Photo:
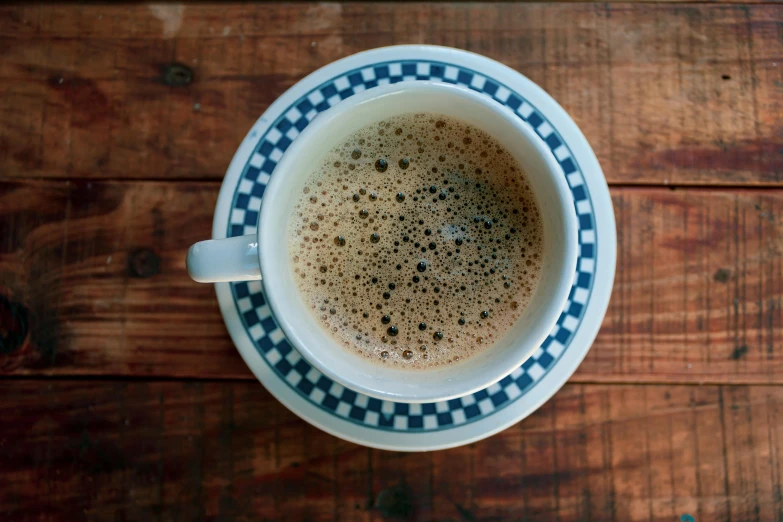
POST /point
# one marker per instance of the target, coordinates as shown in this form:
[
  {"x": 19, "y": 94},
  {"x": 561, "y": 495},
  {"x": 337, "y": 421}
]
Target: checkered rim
[{"x": 287, "y": 362}]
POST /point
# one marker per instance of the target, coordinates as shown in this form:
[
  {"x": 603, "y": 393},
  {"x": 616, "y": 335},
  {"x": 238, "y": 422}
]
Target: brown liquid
[{"x": 417, "y": 241}]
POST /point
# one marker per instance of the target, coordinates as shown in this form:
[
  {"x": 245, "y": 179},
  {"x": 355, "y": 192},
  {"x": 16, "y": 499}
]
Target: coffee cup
[{"x": 264, "y": 255}]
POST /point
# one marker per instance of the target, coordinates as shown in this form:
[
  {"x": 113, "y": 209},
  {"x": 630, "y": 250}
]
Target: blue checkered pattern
[{"x": 332, "y": 396}]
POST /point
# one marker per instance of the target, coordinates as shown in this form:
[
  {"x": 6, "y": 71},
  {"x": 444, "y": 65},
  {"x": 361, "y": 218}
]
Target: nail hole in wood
[
  {"x": 143, "y": 263},
  {"x": 722, "y": 275},
  {"x": 739, "y": 352},
  {"x": 177, "y": 75}
]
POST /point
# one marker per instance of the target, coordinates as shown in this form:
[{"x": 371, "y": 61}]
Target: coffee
[{"x": 417, "y": 241}]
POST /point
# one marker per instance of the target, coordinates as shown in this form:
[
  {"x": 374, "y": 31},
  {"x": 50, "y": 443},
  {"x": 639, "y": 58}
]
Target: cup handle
[{"x": 224, "y": 260}]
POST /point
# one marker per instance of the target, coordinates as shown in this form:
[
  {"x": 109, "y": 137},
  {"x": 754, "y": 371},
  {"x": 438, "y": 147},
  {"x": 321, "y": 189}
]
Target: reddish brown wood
[
  {"x": 677, "y": 94},
  {"x": 70, "y": 263},
  {"x": 675, "y": 411},
  {"x": 194, "y": 451},
  {"x": 697, "y": 295}
]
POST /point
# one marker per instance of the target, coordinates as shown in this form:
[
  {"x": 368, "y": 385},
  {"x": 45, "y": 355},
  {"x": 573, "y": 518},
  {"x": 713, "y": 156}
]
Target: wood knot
[
  {"x": 177, "y": 75},
  {"x": 14, "y": 321},
  {"x": 143, "y": 263}
]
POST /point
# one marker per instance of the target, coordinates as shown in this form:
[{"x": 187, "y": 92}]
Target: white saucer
[{"x": 416, "y": 427}]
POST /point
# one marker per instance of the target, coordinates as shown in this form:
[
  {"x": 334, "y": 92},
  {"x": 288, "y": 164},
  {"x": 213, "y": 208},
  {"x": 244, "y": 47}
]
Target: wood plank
[
  {"x": 142, "y": 450},
  {"x": 76, "y": 252},
  {"x": 698, "y": 295},
  {"x": 675, "y": 94}
]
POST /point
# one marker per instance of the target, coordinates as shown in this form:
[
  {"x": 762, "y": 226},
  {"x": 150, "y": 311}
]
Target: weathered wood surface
[
  {"x": 666, "y": 94},
  {"x": 107, "y": 176},
  {"x": 697, "y": 298},
  {"x": 229, "y": 451}
]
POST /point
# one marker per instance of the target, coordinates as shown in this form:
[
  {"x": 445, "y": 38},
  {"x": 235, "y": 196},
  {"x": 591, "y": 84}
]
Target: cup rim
[{"x": 541, "y": 329}]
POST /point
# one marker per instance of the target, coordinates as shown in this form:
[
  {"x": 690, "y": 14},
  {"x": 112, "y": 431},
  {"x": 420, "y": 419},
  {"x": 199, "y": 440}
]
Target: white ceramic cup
[{"x": 265, "y": 255}]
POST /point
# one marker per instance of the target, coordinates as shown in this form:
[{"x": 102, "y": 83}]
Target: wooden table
[{"x": 122, "y": 397}]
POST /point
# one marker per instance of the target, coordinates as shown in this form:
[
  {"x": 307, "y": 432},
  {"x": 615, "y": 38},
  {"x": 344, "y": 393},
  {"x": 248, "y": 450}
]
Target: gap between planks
[
  {"x": 218, "y": 182},
  {"x": 116, "y": 378}
]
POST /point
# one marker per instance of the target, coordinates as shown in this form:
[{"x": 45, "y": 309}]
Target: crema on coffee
[{"x": 417, "y": 241}]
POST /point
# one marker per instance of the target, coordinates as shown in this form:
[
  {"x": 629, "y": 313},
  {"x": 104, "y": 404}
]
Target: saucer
[{"x": 401, "y": 426}]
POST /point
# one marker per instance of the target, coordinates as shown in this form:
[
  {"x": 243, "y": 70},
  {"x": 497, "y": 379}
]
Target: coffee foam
[{"x": 417, "y": 241}]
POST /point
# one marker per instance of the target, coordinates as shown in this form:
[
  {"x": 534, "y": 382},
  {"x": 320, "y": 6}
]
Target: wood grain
[
  {"x": 666, "y": 94},
  {"x": 698, "y": 289},
  {"x": 229, "y": 451},
  {"x": 697, "y": 296},
  {"x": 71, "y": 263},
  {"x": 108, "y": 174}
]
